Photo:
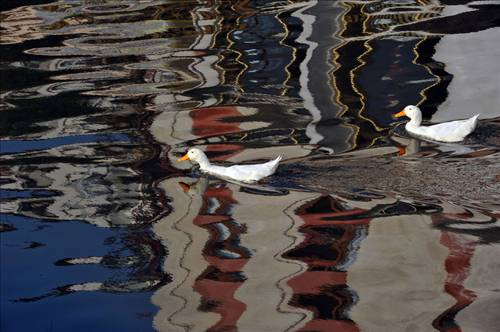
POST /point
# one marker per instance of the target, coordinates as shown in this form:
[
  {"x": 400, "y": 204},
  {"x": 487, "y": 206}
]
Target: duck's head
[
  {"x": 195, "y": 155},
  {"x": 410, "y": 111}
]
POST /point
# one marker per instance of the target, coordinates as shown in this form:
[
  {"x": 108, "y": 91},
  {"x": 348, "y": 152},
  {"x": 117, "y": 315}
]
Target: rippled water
[{"x": 362, "y": 227}]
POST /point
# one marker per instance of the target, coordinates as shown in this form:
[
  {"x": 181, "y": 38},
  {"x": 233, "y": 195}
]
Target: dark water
[{"x": 362, "y": 227}]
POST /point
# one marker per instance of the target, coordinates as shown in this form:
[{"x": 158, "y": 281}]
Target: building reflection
[
  {"x": 248, "y": 80},
  {"x": 322, "y": 246},
  {"x": 87, "y": 168},
  {"x": 328, "y": 249},
  {"x": 312, "y": 82},
  {"x": 462, "y": 232},
  {"x": 347, "y": 238},
  {"x": 336, "y": 232},
  {"x": 72, "y": 162},
  {"x": 300, "y": 260},
  {"x": 221, "y": 285},
  {"x": 225, "y": 257}
]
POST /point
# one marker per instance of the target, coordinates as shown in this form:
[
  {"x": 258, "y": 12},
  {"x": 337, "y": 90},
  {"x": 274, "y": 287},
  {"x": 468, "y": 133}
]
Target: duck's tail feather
[
  {"x": 468, "y": 126},
  {"x": 275, "y": 163},
  {"x": 473, "y": 122}
]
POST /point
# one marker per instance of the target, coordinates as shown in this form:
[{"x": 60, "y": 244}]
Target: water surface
[{"x": 362, "y": 227}]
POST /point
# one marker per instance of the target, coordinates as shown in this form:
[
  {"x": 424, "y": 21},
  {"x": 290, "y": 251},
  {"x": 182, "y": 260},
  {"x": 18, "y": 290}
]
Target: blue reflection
[{"x": 18, "y": 146}]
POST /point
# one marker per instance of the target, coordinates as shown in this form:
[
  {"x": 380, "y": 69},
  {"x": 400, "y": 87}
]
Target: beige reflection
[
  {"x": 271, "y": 230},
  {"x": 185, "y": 241},
  {"x": 397, "y": 277},
  {"x": 20, "y": 24},
  {"x": 270, "y": 225},
  {"x": 470, "y": 58},
  {"x": 472, "y": 268},
  {"x": 482, "y": 314},
  {"x": 406, "y": 274}
]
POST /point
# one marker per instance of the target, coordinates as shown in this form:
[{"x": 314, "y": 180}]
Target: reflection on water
[{"x": 362, "y": 227}]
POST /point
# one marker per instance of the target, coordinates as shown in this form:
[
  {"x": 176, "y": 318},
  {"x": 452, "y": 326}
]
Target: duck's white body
[
  {"x": 453, "y": 131},
  {"x": 242, "y": 173}
]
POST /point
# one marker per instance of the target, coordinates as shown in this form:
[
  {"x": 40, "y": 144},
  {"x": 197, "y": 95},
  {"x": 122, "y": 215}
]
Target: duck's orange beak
[
  {"x": 183, "y": 158},
  {"x": 400, "y": 114}
]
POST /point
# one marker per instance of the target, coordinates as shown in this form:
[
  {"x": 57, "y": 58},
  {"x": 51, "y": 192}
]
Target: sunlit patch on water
[{"x": 362, "y": 226}]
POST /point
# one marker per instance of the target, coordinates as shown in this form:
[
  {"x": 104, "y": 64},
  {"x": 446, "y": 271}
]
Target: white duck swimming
[
  {"x": 242, "y": 173},
  {"x": 452, "y": 131}
]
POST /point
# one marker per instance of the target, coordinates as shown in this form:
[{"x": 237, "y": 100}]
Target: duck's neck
[
  {"x": 416, "y": 121},
  {"x": 204, "y": 163}
]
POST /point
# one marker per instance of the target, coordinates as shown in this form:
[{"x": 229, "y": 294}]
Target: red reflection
[
  {"x": 328, "y": 249},
  {"x": 218, "y": 297},
  {"x": 213, "y": 121},
  {"x": 457, "y": 264},
  {"x": 225, "y": 257},
  {"x": 209, "y": 121}
]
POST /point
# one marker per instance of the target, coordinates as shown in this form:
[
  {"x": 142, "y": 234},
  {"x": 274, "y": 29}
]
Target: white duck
[
  {"x": 452, "y": 131},
  {"x": 242, "y": 173}
]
